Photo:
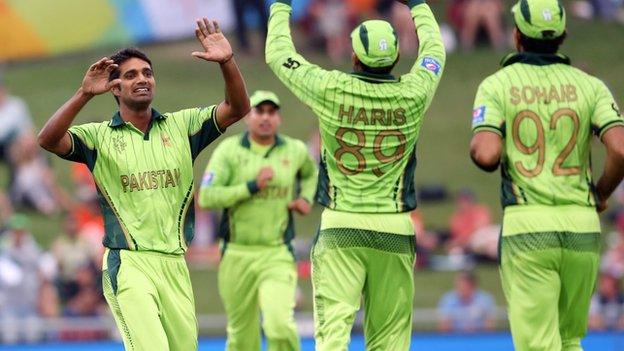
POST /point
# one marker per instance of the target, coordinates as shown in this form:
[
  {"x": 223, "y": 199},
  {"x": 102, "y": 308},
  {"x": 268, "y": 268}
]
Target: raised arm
[
  {"x": 53, "y": 136},
  {"x": 303, "y": 78},
  {"x": 217, "y": 49},
  {"x": 431, "y": 59}
]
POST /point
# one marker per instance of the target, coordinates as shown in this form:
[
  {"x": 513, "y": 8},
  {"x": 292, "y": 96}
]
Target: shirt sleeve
[
  {"x": 84, "y": 144},
  {"x": 202, "y": 127},
  {"x": 216, "y": 189},
  {"x": 308, "y": 176},
  {"x": 429, "y": 65},
  {"x": 306, "y": 80},
  {"x": 487, "y": 114},
  {"x": 606, "y": 114}
]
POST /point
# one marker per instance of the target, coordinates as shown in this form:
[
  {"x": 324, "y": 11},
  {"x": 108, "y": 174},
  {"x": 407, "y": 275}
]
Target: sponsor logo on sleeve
[
  {"x": 207, "y": 179},
  {"x": 431, "y": 64},
  {"x": 478, "y": 115}
]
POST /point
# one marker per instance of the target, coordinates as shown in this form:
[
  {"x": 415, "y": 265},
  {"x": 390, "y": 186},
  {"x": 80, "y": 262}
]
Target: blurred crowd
[{"x": 465, "y": 25}]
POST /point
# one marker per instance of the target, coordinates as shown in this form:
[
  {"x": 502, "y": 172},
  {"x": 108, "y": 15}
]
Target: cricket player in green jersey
[
  {"x": 535, "y": 118},
  {"x": 142, "y": 163},
  {"x": 254, "y": 177},
  {"x": 369, "y": 124}
]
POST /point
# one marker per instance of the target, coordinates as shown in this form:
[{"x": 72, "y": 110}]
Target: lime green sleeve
[
  {"x": 429, "y": 65},
  {"x": 308, "y": 177},
  {"x": 216, "y": 190},
  {"x": 487, "y": 114},
  {"x": 84, "y": 139},
  {"x": 606, "y": 114},
  {"x": 306, "y": 80}
]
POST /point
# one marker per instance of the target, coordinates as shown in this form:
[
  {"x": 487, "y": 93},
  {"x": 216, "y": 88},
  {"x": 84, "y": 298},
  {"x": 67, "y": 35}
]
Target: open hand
[
  {"x": 95, "y": 81},
  {"x": 300, "y": 206},
  {"x": 216, "y": 47}
]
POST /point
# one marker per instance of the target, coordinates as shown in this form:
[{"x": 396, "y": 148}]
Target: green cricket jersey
[
  {"x": 253, "y": 216},
  {"x": 145, "y": 181},
  {"x": 369, "y": 123},
  {"x": 546, "y": 110}
]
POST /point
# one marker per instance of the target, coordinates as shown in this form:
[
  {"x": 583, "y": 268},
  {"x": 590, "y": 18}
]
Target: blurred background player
[
  {"x": 543, "y": 112},
  {"x": 142, "y": 162},
  {"x": 369, "y": 124},
  {"x": 255, "y": 176}
]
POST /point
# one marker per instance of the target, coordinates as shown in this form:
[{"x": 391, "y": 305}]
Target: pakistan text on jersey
[
  {"x": 534, "y": 94},
  {"x": 150, "y": 180},
  {"x": 374, "y": 116}
]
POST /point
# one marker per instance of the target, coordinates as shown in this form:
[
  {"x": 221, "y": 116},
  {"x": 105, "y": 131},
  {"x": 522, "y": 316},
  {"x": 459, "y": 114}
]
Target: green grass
[{"x": 442, "y": 148}]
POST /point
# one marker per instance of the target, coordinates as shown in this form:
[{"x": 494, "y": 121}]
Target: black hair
[
  {"x": 542, "y": 46},
  {"x": 378, "y": 70},
  {"x": 122, "y": 56}
]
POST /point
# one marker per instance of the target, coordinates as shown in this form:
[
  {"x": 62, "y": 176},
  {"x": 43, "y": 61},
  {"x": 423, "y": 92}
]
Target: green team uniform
[
  {"x": 257, "y": 271},
  {"x": 546, "y": 111},
  {"x": 369, "y": 126},
  {"x": 145, "y": 188}
]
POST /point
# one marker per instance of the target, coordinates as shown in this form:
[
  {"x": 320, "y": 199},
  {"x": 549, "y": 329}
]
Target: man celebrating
[
  {"x": 369, "y": 124},
  {"x": 254, "y": 177},
  {"x": 142, "y": 162},
  {"x": 542, "y": 112}
]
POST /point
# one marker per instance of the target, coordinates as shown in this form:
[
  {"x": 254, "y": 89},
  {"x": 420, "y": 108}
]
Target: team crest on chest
[
  {"x": 119, "y": 144},
  {"x": 166, "y": 140},
  {"x": 285, "y": 162}
]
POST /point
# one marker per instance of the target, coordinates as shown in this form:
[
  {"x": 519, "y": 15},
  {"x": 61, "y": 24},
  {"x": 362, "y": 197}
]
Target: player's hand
[
  {"x": 95, "y": 81},
  {"x": 601, "y": 205},
  {"x": 216, "y": 47},
  {"x": 264, "y": 176},
  {"x": 300, "y": 206}
]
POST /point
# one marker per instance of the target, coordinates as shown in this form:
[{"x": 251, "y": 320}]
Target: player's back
[
  {"x": 547, "y": 113},
  {"x": 369, "y": 130}
]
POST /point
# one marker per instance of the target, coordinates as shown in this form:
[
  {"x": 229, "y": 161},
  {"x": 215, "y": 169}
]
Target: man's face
[
  {"x": 465, "y": 287},
  {"x": 137, "y": 86},
  {"x": 264, "y": 120}
]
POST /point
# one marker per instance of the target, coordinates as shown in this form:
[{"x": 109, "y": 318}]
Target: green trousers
[
  {"x": 151, "y": 298},
  {"x": 548, "y": 280},
  {"x": 349, "y": 263},
  {"x": 255, "y": 281}
]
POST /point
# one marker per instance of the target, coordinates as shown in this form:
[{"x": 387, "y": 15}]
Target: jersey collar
[
  {"x": 246, "y": 143},
  {"x": 117, "y": 121},
  {"x": 534, "y": 59},
  {"x": 375, "y": 78}
]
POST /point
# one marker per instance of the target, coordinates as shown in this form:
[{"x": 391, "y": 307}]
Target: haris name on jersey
[
  {"x": 534, "y": 94},
  {"x": 374, "y": 116}
]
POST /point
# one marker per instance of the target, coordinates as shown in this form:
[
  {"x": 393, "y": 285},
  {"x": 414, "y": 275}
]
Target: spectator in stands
[
  {"x": 240, "y": 9},
  {"x": 333, "y": 22},
  {"x": 33, "y": 183},
  {"x": 20, "y": 282},
  {"x": 425, "y": 241},
  {"x": 86, "y": 299},
  {"x": 467, "y": 308},
  {"x": 72, "y": 252},
  {"x": 469, "y": 17},
  {"x": 469, "y": 216},
  {"x": 607, "y": 305},
  {"x": 14, "y": 119}
]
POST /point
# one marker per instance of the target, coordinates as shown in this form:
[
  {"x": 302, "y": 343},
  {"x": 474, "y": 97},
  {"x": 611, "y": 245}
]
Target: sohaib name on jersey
[{"x": 540, "y": 94}]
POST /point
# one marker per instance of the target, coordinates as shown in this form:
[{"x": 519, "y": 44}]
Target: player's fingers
[
  {"x": 216, "y": 27},
  {"x": 201, "y": 55},
  {"x": 113, "y": 83},
  {"x": 111, "y": 67},
  {"x": 199, "y": 34},
  {"x": 209, "y": 26},
  {"x": 202, "y": 27}
]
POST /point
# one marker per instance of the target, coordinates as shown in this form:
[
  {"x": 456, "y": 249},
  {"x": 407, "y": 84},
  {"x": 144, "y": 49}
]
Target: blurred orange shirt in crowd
[{"x": 467, "y": 219}]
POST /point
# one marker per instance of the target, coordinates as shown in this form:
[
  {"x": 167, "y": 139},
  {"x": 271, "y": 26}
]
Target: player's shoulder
[
  {"x": 232, "y": 141},
  {"x": 293, "y": 142},
  {"x": 187, "y": 112}
]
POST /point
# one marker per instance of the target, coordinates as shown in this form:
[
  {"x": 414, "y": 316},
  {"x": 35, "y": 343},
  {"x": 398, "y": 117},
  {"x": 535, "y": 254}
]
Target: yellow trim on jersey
[{"x": 394, "y": 223}]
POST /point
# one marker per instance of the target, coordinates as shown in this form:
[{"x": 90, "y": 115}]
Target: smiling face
[
  {"x": 137, "y": 86},
  {"x": 263, "y": 121}
]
